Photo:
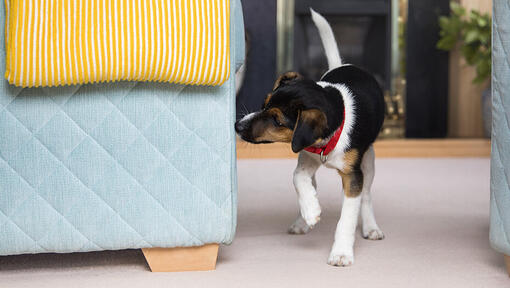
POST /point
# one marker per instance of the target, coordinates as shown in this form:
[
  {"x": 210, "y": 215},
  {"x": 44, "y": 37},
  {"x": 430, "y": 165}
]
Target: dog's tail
[{"x": 328, "y": 40}]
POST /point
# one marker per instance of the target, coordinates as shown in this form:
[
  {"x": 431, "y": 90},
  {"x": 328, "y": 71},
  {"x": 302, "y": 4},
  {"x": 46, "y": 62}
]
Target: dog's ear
[
  {"x": 285, "y": 78},
  {"x": 310, "y": 127}
]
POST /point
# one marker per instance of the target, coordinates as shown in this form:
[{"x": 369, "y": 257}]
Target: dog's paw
[
  {"x": 299, "y": 227},
  {"x": 311, "y": 212},
  {"x": 374, "y": 234},
  {"x": 340, "y": 259}
]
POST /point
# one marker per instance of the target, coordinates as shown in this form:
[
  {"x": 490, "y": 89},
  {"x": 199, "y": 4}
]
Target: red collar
[{"x": 324, "y": 150}]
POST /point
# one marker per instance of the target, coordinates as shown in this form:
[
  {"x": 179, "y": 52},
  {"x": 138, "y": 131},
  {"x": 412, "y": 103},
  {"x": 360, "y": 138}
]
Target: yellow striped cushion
[{"x": 62, "y": 42}]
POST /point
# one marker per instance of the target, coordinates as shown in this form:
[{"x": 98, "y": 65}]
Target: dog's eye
[{"x": 277, "y": 122}]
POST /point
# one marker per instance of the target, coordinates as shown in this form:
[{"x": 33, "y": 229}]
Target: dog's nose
[{"x": 238, "y": 127}]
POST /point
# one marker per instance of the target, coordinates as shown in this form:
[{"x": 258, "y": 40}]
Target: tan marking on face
[
  {"x": 286, "y": 77},
  {"x": 275, "y": 134},
  {"x": 316, "y": 118},
  {"x": 276, "y": 112},
  {"x": 268, "y": 98}
]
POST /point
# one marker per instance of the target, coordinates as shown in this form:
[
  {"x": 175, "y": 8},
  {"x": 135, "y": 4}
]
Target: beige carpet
[{"x": 435, "y": 214}]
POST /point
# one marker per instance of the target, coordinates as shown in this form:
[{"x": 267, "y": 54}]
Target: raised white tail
[{"x": 328, "y": 40}]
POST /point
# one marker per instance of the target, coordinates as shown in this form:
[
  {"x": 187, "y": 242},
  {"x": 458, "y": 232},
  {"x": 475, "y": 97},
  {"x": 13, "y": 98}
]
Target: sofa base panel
[{"x": 182, "y": 258}]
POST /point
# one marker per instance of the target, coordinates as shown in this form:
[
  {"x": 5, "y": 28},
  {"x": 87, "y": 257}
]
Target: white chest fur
[{"x": 335, "y": 160}]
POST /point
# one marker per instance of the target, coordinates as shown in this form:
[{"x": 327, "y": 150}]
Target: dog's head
[{"x": 297, "y": 111}]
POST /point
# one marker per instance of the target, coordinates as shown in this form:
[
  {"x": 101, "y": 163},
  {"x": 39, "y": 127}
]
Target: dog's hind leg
[
  {"x": 370, "y": 229},
  {"x": 305, "y": 184}
]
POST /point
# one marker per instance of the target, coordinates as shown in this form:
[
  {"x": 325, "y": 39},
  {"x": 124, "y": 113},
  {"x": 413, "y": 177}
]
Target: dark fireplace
[
  {"x": 363, "y": 32},
  {"x": 392, "y": 39}
]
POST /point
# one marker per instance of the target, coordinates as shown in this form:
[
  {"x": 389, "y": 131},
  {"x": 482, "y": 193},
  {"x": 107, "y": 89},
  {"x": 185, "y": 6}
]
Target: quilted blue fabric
[
  {"x": 500, "y": 164},
  {"x": 119, "y": 165}
]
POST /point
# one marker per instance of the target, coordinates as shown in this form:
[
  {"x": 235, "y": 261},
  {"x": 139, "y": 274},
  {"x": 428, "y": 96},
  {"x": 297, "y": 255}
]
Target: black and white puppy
[{"x": 334, "y": 123}]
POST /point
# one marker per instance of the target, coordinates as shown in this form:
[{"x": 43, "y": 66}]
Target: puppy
[{"x": 334, "y": 123}]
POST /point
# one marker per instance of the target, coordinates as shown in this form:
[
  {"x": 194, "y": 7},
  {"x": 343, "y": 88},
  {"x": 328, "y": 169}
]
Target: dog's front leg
[
  {"x": 342, "y": 253},
  {"x": 309, "y": 206}
]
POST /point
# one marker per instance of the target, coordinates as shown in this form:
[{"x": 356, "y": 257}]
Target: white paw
[
  {"x": 310, "y": 211},
  {"x": 340, "y": 259},
  {"x": 374, "y": 234},
  {"x": 299, "y": 227}
]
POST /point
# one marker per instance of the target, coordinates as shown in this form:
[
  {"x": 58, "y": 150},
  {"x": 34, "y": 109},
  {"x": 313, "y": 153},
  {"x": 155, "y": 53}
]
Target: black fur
[
  {"x": 302, "y": 94},
  {"x": 368, "y": 103},
  {"x": 293, "y": 96}
]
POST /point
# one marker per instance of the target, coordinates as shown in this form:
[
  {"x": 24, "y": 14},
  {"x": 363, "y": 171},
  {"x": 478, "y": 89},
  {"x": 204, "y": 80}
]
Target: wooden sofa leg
[
  {"x": 507, "y": 261},
  {"x": 182, "y": 258}
]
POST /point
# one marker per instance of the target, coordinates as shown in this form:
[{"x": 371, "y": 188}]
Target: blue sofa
[
  {"x": 118, "y": 165},
  {"x": 500, "y": 162}
]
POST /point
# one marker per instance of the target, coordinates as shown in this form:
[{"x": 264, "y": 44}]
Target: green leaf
[
  {"x": 471, "y": 36},
  {"x": 457, "y": 9},
  {"x": 473, "y": 31},
  {"x": 446, "y": 43},
  {"x": 444, "y": 22},
  {"x": 482, "y": 22},
  {"x": 469, "y": 54}
]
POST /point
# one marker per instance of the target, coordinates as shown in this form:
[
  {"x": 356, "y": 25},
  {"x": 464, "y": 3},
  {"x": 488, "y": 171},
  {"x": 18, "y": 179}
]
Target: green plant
[{"x": 473, "y": 31}]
